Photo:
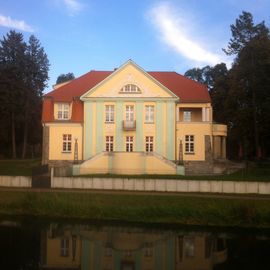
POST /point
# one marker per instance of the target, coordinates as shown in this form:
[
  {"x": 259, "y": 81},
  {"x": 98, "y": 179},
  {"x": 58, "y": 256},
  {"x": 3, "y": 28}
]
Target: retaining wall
[
  {"x": 15, "y": 181},
  {"x": 162, "y": 185},
  {"x": 132, "y": 184}
]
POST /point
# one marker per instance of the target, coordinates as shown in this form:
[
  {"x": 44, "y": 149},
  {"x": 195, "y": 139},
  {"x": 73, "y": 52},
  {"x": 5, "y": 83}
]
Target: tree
[
  {"x": 24, "y": 72},
  {"x": 240, "y": 96},
  {"x": 250, "y": 44},
  {"x": 216, "y": 78},
  {"x": 243, "y": 31},
  {"x": 36, "y": 75},
  {"x": 65, "y": 77},
  {"x": 12, "y": 63}
]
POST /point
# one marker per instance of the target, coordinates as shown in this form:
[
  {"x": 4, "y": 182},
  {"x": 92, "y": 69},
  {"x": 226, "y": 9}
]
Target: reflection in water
[
  {"x": 80, "y": 247},
  {"x": 37, "y": 246}
]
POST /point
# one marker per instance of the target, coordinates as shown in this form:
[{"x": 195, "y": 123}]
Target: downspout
[{"x": 175, "y": 137}]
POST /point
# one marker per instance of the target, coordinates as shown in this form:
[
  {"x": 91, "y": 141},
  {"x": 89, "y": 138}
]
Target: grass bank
[
  {"x": 257, "y": 172},
  {"x": 173, "y": 209},
  {"x": 18, "y": 166}
]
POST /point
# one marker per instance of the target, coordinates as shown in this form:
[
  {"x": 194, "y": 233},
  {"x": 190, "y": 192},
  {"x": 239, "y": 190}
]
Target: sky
[{"x": 83, "y": 35}]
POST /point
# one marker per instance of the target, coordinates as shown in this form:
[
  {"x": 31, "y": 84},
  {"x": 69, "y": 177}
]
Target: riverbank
[{"x": 143, "y": 208}]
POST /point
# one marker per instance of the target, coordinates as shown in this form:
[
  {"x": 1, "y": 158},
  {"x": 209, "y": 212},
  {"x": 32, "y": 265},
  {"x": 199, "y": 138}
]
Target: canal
[{"x": 30, "y": 243}]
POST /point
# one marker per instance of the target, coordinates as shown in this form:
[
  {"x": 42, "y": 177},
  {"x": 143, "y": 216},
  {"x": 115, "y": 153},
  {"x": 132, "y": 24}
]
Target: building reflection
[{"x": 115, "y": 248}]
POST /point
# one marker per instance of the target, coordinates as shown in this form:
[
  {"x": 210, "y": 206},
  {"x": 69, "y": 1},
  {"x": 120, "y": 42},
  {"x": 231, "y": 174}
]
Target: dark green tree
[
  {"x": 65, "y": 77},
  {"x": 250, "y": 45},
  {"x": 216, "y": 78},
  {"x": 196, "y": 74},
  {"x": 240, "y": 96},
  {"x": 12, "y": 63},
  {"x": 36, "y": 76},
  {"x": 23, "y": 76}
]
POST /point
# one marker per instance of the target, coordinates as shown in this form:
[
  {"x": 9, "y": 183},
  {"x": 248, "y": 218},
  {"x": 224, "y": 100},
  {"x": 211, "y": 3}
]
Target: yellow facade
[
  {"x": 56, "y": 144},
  {"x": 175, "y": 130},
  {"x": 62, "y": 256},
  {"x": 130, "y": 248}
]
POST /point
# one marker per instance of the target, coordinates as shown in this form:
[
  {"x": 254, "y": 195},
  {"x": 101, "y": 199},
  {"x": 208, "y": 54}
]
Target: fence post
[{"x": 52, "y": 176}]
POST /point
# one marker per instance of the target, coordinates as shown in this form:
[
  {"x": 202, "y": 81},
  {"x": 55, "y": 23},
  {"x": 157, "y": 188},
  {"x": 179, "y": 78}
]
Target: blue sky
[{"x": 81, "y": 35}]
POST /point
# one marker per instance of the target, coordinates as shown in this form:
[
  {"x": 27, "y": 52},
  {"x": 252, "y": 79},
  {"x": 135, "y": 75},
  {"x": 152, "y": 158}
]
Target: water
[{"x": 42, "y": 244}]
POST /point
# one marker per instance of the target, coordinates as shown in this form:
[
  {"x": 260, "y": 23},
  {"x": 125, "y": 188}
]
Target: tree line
[{"x": 241, "y": 95}]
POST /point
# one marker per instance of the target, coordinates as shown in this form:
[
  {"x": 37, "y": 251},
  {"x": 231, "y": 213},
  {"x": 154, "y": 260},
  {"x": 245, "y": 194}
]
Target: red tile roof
[
  {"x": 79, "y": 86},
  {"x": 186, "y": 89}
]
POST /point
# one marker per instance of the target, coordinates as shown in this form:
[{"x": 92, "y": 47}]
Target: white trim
[{"x": 63, "y": 124}]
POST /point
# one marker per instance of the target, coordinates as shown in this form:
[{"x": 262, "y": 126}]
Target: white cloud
[
  {"x": 172, "y": 27},
  {"x": 11, "y": 23},
  {"x": 73, "y": 6}
]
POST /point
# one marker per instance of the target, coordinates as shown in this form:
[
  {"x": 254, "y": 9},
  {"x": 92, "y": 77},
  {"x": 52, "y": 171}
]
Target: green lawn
[
  {"x": 258, "y": 172},
  {"x": 159, "y": 209},
  {"x": 18, "y": 167}
]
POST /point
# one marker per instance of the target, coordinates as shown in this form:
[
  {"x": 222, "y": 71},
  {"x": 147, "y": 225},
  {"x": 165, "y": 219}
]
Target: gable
[{"x": 129, "y": 76}]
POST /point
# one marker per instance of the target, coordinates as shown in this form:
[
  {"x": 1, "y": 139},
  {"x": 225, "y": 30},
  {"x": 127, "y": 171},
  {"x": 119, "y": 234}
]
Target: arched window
[{"x": 131, "y": 88}]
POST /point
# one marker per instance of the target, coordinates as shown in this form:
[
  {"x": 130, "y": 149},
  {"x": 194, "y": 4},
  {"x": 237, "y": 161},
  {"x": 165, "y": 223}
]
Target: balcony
[
  {"x": 219, "y": 130},
  {"x": 129, "y": 125}
]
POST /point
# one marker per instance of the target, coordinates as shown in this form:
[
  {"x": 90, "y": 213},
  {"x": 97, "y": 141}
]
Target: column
[
  {"x": 139, "y": 127},
  {"x": 224, "y": 147}
]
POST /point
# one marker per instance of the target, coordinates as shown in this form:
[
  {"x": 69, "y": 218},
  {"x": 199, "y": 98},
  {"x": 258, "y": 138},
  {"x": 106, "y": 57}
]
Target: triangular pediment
[{"x": 129, "y": 81}]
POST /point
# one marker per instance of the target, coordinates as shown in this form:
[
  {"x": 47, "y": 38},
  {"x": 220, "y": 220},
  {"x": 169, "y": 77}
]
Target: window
[
  {"x": 180, "y": 248},
  {"x": 129, "y": 143},
  {"x": 109, "y": 113},
  {"x": 207, "y": 247},
  {"x": 109, "y": 143},
  {"x": 66, "y": 143},
  {"x": 187, "y": 116},
  {"x": 63, "y": 111},
  {"x": 64, "y": 247},
  {"x": 189, "y": 247},
  {"x": 129, "y": 113},
  {"x": 131, "y": 88},
  {"x": 149, "y": 143},
  {"x": 189, "y": 144},
  {"x": 148, "y": 250},
  {"x": 149, "y": 114}
]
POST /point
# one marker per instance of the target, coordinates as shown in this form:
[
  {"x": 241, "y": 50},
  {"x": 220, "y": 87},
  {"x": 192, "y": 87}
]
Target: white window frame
[
  {"x": 109, "y": 144},
  {"x": 66, "y": 143},
  {"x": 129, "y": 143},
  {"x": 109, "y": 113},
  {"x": 187, "y": 116},
  {"x": 62, "y": 111},
  {"x": 131, "y": 88},
  {"x": 64, "y": 247},
  {"x": 129, "y": 112},
  {"x": 149, "y": 144},
  {"x": 189, "y": 144},
  {"x": 149, "y": 113}
]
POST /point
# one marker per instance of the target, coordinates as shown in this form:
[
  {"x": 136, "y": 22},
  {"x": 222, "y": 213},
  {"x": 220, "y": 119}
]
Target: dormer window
[
  {"x": 131, "y": 88},
  {"x": 63, "y": 111}
]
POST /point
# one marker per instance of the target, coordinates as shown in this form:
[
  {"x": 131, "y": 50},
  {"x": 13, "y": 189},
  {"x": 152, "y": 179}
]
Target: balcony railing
[{"x": 129, "y": 125}]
